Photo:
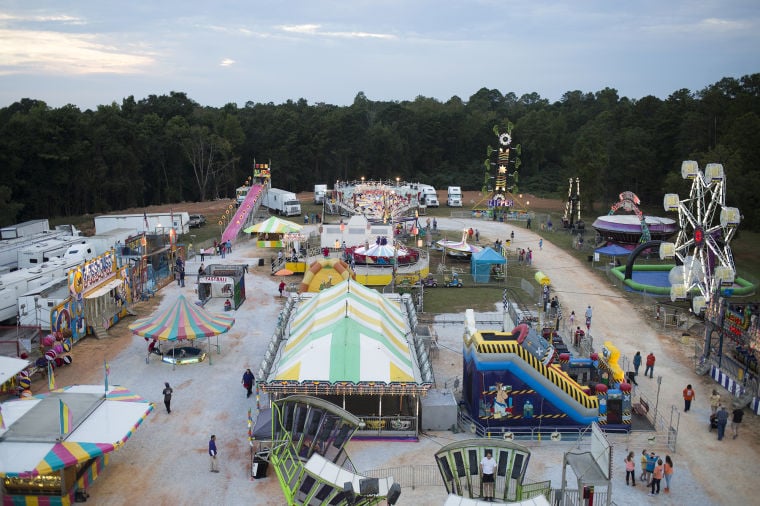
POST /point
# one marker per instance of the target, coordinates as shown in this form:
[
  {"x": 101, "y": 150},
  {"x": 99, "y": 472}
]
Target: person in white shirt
[{"x": 487, "y": 468}]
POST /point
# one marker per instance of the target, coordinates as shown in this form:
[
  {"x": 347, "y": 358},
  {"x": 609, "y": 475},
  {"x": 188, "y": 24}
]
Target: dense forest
[{"x": 161, "y": 149}]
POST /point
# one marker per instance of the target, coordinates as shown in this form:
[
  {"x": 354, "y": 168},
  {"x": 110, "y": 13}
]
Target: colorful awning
[
  {"x": 274, "y": 225},
  {"x": 103, "y": 425},
  {"x": 183, "y": 320}
]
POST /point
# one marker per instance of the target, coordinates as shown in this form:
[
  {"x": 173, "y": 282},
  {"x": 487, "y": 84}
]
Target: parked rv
[
  {"x": 281, "y": 202},
  {"x": 16, "y": 283},
  {"x": 24, "y": 237}
]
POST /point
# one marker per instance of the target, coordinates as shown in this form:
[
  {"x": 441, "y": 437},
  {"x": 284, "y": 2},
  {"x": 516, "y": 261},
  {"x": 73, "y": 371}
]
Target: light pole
[{"x": 657, "y": 401}]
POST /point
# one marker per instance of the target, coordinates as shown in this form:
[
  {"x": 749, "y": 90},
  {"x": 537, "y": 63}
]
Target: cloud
[
  {"x": 311, "y": 29},
  {"x": 64, "y": 53},
  {"x": 703, "y": 26},
  {"x": 227, "y": 62}
]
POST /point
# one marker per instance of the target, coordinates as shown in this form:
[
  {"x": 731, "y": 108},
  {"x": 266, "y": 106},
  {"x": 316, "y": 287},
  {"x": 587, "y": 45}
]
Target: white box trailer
[
  {"x": 158, "y": 223},
  {"x": 281, "y": 202},
  {"x": 320, "y": 191},
  {"x": 25, "y": 229}
]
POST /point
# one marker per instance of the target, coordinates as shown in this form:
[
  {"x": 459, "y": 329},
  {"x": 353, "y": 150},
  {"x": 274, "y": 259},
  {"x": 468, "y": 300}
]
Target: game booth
[
  {"x": 271, "y": 232},
  {"x": 99, "y": 293},
  {"x": 54, "y": 446},
  {"x": 224, "y": 281}
]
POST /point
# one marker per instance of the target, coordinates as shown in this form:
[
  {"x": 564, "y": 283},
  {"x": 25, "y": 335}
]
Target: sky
[{"x": 94, "y": 52}]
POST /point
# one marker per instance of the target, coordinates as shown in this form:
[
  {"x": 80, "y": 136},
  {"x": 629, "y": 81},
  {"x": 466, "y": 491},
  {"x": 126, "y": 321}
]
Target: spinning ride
[
  {"x": 501, "y": 194},
  {"x": 383, "y": 253},
  {"x": 705, "y": 264},
  {"x": 459, "y": 248},
  {"x": 632, "y": 228}
]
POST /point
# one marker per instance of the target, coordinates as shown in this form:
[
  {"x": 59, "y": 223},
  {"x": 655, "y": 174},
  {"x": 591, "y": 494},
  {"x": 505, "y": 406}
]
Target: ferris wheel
[{"x": 704, "y": 263}]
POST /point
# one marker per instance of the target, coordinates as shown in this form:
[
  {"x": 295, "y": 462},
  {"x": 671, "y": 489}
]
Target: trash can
[
  {"x": 259, "y": 466},
  {"x": 261, "y": 262}
]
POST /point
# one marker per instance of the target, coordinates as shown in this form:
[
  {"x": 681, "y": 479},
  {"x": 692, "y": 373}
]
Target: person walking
[
  {"x": 212, "y": 454},
  {"x": 714, "y": 401},
  {"x": 668, "y": 472},
  {"x": 630, "y": 469},
  {"x": 688, "y": 396},
  {"x": 487, "y": 467},
  {"x": 281, "y": 287},
  {"x": 248, "y": 380},
  {"x": 650, "y": 365},
  {"x": 572, "y": 318},
  {"x": 168, "y": 397},
  {"x": 736, "y": 420},
  {"x": 657, "y": 474},
  {"x": 722, "y": 417},
  {"x": 637, "y": 362},
  {"x": 541, "y": 244}
]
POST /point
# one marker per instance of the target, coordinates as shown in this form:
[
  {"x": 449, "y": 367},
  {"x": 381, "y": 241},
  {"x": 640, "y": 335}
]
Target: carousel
[{"x": 181, "y": 324}]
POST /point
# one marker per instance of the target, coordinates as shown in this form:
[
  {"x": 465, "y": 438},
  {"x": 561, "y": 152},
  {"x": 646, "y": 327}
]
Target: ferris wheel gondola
[{"x": 705, "y": 264}]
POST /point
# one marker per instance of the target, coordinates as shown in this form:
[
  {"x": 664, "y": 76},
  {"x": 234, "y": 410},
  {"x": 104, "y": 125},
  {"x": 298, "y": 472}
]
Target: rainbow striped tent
[
  {"x": 183, "y": 320},
  {"x": 347, "y": 333}
]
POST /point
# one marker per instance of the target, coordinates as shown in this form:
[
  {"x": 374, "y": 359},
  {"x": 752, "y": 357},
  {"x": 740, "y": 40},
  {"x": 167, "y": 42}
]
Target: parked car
[{"x": 196, "y": 220}]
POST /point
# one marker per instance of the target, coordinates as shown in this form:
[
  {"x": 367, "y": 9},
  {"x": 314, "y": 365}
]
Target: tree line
[{"x": 168, "y": 148}]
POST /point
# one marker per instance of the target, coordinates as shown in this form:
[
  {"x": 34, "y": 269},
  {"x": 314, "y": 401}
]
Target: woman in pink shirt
[{"x": 630, "y": 469}]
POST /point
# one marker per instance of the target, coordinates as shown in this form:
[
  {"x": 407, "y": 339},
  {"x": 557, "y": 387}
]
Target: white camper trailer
[
  {"x": 10, "y": 248},
  {"x": 34, "y": 306},
  {"x": 41, "y": 252},
  {"x": 16, "y": 283}
]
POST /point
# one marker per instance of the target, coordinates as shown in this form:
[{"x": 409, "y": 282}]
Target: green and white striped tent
[
  {"x": 274, "y": 225},
  {"x": 347, "y": 333}
]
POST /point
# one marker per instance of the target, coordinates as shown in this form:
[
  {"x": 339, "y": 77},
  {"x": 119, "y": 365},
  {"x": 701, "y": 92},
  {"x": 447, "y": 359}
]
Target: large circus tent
[{"x": 348, "y": 344}]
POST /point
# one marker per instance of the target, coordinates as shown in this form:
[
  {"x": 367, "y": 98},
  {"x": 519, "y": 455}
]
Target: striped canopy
[
  {"x": 97, "y": 431},
  {"x": 347, "y": 333},
  {"x": 183, "y": 320},
  {"x": 274, "y": 225}
]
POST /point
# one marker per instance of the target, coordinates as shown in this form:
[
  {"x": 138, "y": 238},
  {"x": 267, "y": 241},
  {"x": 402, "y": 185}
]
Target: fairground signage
[{"x": 217, "y": 280}]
